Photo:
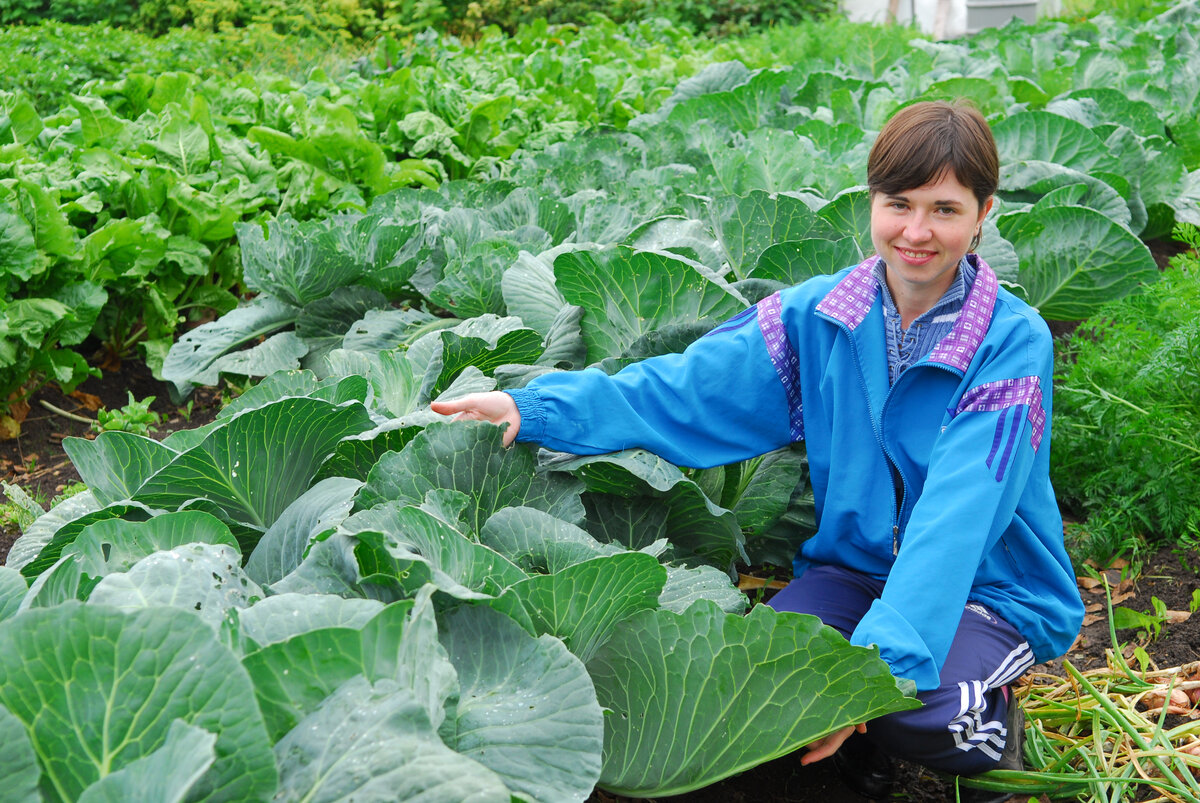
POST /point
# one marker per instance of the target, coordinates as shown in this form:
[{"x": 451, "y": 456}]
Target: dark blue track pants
[{"x": 961, "y": 727}]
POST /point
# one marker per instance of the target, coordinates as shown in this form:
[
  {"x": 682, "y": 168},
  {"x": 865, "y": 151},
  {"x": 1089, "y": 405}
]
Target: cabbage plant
[{"x": 313, "y": 598}]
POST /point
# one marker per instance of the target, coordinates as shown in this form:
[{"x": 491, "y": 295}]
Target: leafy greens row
[
  {"x": 118, "y": 209},
  {"x": 130, "y": 195}
]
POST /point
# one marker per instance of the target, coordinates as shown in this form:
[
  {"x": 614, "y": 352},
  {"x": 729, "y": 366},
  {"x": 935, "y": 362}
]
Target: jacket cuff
[
  {"x": 900, "y": 646},
  {"x": 532, "y": 412}
]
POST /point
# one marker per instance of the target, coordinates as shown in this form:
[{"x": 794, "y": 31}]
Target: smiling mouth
[{"x": 910, "y": 254}]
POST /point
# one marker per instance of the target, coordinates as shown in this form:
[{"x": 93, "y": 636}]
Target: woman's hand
[
  {"x": 497, "y": 407},
  {"x": 824, "y": 748}
]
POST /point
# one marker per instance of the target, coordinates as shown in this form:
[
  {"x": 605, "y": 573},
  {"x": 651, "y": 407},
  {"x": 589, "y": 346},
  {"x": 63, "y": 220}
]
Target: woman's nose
[{"x": 917, "y": 229}]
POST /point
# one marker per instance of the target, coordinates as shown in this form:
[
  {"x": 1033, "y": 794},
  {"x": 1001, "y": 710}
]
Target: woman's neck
[
  {"x": 910, "y": 300},
  {"x": 913, "y": 302}
]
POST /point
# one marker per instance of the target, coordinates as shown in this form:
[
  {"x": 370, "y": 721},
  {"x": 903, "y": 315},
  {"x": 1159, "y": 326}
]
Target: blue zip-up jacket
[{"x": 965, "y": 430}]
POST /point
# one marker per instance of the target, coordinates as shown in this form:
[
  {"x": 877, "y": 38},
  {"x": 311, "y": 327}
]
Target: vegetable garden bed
[
  {"x": 343, "y": 563},
  {"x": 1170, "y": 575}
]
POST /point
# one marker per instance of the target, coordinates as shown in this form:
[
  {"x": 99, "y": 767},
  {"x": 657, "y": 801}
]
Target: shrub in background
[
  {"x": 327, "y": 20},
  {"x": 736, "y": 16},
  {"x": 15, "y": 12},
  {"x": 703, "y": 16},
  {"x": 324, "y": 19},
  {"x": 118, "y": 13},
  {"x": 1079, "y": 10},
  {"x": 340, "y": 20},
  {"x": 403, "y": 17},
  {"x": 1126, "y": 440}
]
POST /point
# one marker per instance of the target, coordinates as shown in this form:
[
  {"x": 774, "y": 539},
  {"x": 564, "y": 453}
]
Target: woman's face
[{"x": 922, "y": 233}]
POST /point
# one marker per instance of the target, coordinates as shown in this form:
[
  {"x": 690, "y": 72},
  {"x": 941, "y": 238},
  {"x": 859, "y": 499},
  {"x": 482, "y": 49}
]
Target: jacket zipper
[
  {"x": 896, "y": 539},
  {"x": 901, "y": 492},
  {"x": 898, "y": 510},
  {"x": 875, "y": 427}
]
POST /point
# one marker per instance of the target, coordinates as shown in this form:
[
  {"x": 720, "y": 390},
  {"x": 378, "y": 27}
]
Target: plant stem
[
  {"x": 1121, "y": 721},
  {"x": 430, "y": 326},
  {"x": 135, "y": 336},
  {"x": 64, "y": 413},
  {"x": 1112, "y": 397},
  {"x": 1173, "y": 442}
]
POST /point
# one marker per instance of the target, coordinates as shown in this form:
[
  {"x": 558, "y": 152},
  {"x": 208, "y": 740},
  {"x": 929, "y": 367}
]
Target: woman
[{"x": 922, "y": 392}]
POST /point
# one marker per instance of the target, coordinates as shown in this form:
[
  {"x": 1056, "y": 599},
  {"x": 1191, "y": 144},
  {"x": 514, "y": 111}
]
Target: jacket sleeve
[
  {"x": 722, "y": 400},
  {"x": 981, "y": 464}
]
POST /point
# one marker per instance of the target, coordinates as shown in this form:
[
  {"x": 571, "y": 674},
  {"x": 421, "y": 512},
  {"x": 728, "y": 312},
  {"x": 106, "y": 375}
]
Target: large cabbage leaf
[
  {"x": 746, "y": 226},
  {"x": 1074, "y": 259},
  {"x": 626, "y": 294},
  {"x": 12, "y": 590},
  {"x": 115, "y": 545},
  {"x": 115, "y": 464},
  {"x": 375, "y": 742},
  {"x": 39, "y": 534},
  {"x": 650, "y": 490},
  {"x": 99, "y": 689},
  {"x": 168, "y": 774},
  {"x": 699, "y": 696},
  {"x": 294, "y": 675},
  {"x": 282, "y": 546},
  {"x": 206, "y": 579},
  {"x": 526, "y": 707},
  {"x": 406, "y": 547},
  {"x": 259, "y": 462},
  {"x": 1050, "y": 137},
  {"x": 282, "y": 616},
  {"x": 581, "y": 604},
  {"x": 18, "y": 762},
  {"x": 195, "y": 359},
  {"x": 468, "y": 457}
]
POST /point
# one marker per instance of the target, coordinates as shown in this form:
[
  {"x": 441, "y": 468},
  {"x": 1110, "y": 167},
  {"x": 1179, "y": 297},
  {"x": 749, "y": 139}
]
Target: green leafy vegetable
[
  {"x": 658, "y": 662},
  {"x": 99, "y": 664}
]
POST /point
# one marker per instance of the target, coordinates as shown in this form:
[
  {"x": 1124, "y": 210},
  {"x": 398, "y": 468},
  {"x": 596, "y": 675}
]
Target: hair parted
[{"x": 922, "y": 141}]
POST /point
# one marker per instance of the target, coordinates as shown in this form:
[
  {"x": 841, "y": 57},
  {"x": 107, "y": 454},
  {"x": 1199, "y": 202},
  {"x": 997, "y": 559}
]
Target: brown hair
[{"x": 922, "y": 141}]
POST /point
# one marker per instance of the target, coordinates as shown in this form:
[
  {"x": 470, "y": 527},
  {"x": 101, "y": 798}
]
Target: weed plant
[
  {"x": 1102, "y": 734},
  {"x": 1126, "y": 448},
  {"x": 135, "y": 417},
  {"x": 23, "y": 508}
]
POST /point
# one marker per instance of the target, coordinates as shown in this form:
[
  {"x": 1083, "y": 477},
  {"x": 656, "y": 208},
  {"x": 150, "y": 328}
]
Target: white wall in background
[{"x": 954, "y": 21}]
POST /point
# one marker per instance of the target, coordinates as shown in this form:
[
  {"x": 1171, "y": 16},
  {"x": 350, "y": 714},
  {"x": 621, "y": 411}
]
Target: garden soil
[{"x": 36, "y": 462}]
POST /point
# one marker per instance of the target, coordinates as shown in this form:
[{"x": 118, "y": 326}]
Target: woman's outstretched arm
[{"x": 723, "y": 399}]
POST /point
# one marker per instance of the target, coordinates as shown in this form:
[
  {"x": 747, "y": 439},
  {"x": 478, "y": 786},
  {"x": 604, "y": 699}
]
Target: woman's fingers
[
  {"x": 449, "y": 407},
  {"x": 496, "y": 407},
  {"x": 473, "y": 406},
  {"x": 824, "y": 748}
]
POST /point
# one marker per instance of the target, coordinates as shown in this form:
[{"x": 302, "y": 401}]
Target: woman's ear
[
  {"x": 983, "y": 211},
  {"x": 987, "y": 207}
]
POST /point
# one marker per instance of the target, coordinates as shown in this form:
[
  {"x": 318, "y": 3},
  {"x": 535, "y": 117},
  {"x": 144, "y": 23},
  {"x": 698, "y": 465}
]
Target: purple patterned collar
[{"x": 852, "y": 298}]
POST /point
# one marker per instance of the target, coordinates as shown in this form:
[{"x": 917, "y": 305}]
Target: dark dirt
[
  {"x": 1172, "y": 575},
  {"x": 36, "y": 462}
]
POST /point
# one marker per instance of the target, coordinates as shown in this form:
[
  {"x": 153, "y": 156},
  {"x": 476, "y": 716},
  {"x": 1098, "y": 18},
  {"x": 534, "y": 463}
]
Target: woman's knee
[{"x": 948, "y": 733}]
